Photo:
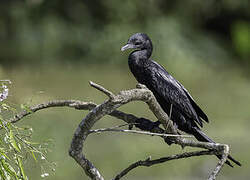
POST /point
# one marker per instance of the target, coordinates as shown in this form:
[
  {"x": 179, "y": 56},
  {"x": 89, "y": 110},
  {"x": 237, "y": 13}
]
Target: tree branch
[
  {"x": 220, "y": 163},
  {"x": 102, "y": 89},
  {"x": 148, "y": 162},
  {"x": 115, "y": 102},
  {"x": 56, "y": 103},
  {"x": 82, "y": 105},
  {"x": 109, "y": 107},
  {"x": 136, "y": 132}
]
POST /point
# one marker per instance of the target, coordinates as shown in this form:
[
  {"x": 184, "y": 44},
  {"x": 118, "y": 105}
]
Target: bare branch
[
  {"x": 220, "y": 163},
  {"x": 81, "y": 134},
  {"x": 136, "y": 132},
  {"x": 56, "y": 103},
  {"x": 81, "y": 105},
  {"x": 96, "y": 114},
  {"x": 102, "y": 89},
  {"x": 148, "y": 162},
  {"x": 109, "y": 108}
]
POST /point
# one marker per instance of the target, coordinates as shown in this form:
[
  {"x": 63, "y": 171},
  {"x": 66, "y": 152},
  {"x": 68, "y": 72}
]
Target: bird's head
[{"x": 139, "y": 41}]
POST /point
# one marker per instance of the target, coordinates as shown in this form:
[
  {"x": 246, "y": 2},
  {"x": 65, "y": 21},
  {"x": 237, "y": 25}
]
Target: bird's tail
[{"x": 201, "y": 136}]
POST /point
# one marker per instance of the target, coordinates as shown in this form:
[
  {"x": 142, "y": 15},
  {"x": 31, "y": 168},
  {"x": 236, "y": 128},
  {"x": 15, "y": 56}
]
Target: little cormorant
[{"x": 185, "y": 113}]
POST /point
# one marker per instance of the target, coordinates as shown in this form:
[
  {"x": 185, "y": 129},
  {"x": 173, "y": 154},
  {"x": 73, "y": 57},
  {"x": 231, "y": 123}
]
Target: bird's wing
[
  {"x": 171, "y": 90},
  {"x": 198, "y": 110}
]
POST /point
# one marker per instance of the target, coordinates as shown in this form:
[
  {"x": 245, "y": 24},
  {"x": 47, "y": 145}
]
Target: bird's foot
[
  {"x": 146, "y": 125},
  {"x": 130, "y": 126},
  {"x": 175, "y": 125}
]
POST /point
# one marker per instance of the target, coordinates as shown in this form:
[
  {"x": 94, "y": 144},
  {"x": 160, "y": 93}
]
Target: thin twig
[
  {"x": 148, "y": 162},
  {"x": 55, "y": 103},
  {"x": 170, "y": 115},
  {"x": 137, "y": 132},
  {"x": 102, "y": 89},
  {"x": 170, "y": 112}
]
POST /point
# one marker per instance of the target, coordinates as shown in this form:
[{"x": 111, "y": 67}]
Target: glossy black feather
[
  {"x": 167, "y": 91},
  {"x": 198, "y": 110},
  {"x": 186, "y": 114}
]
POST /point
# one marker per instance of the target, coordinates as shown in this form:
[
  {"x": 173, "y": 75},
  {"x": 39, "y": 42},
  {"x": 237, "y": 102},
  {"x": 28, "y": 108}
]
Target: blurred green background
[{"x": 50, "y": 49}]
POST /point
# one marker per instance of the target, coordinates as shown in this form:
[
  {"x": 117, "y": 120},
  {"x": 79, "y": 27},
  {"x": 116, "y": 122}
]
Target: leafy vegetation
[
  {"x": 16, "y": 143},
  {"x": 45, "y": 31}
]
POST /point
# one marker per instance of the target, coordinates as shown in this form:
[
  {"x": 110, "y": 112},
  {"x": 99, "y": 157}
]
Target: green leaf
[
  {"x": 31, "y": 143},
  {"x": 5, "y": 106},
  {"x": 13, "y": 141},
  {"x": 8, "y": 168},
  {"x": 20, "y": 164},
  {"x": 2, "y": 173},
  {"x": 33, "y": 155},
  {"x": 3, "y": 153},
  {"x": 26, "y": 108},
  {"x": 2, "y": 123}
]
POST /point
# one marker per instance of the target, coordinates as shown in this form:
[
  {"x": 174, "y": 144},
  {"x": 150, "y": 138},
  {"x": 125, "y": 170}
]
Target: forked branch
[
  {"x": 114, "y": 102},
  {"x": 109, "y": 107}
]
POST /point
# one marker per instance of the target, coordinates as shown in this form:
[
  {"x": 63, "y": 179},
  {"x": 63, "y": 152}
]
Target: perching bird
[{"x": 170, "y": 93}]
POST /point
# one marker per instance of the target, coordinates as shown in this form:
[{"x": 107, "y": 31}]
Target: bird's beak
[{"x": 128, "y": 46}]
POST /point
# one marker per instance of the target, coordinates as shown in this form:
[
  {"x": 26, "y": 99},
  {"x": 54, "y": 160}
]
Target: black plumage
[{"x": 170, "y": 93}]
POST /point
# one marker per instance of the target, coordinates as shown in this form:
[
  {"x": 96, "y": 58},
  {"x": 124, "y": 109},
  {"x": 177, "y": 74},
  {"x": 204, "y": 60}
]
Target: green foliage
[
  {"x": 241, "y": 38},
  {"x": 93, "y": 31},
  {"x": 16, "y": 145}
]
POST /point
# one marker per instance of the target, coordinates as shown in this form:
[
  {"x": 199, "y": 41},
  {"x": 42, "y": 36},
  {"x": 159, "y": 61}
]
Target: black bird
[{"x": 170, "y": 93}]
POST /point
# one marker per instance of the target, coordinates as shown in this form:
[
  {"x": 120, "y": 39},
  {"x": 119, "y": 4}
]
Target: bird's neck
[
  {"x": 146, "y": 52},
  {"x": 141, "y": 55},
  {"x": 138, "y": 60}
]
